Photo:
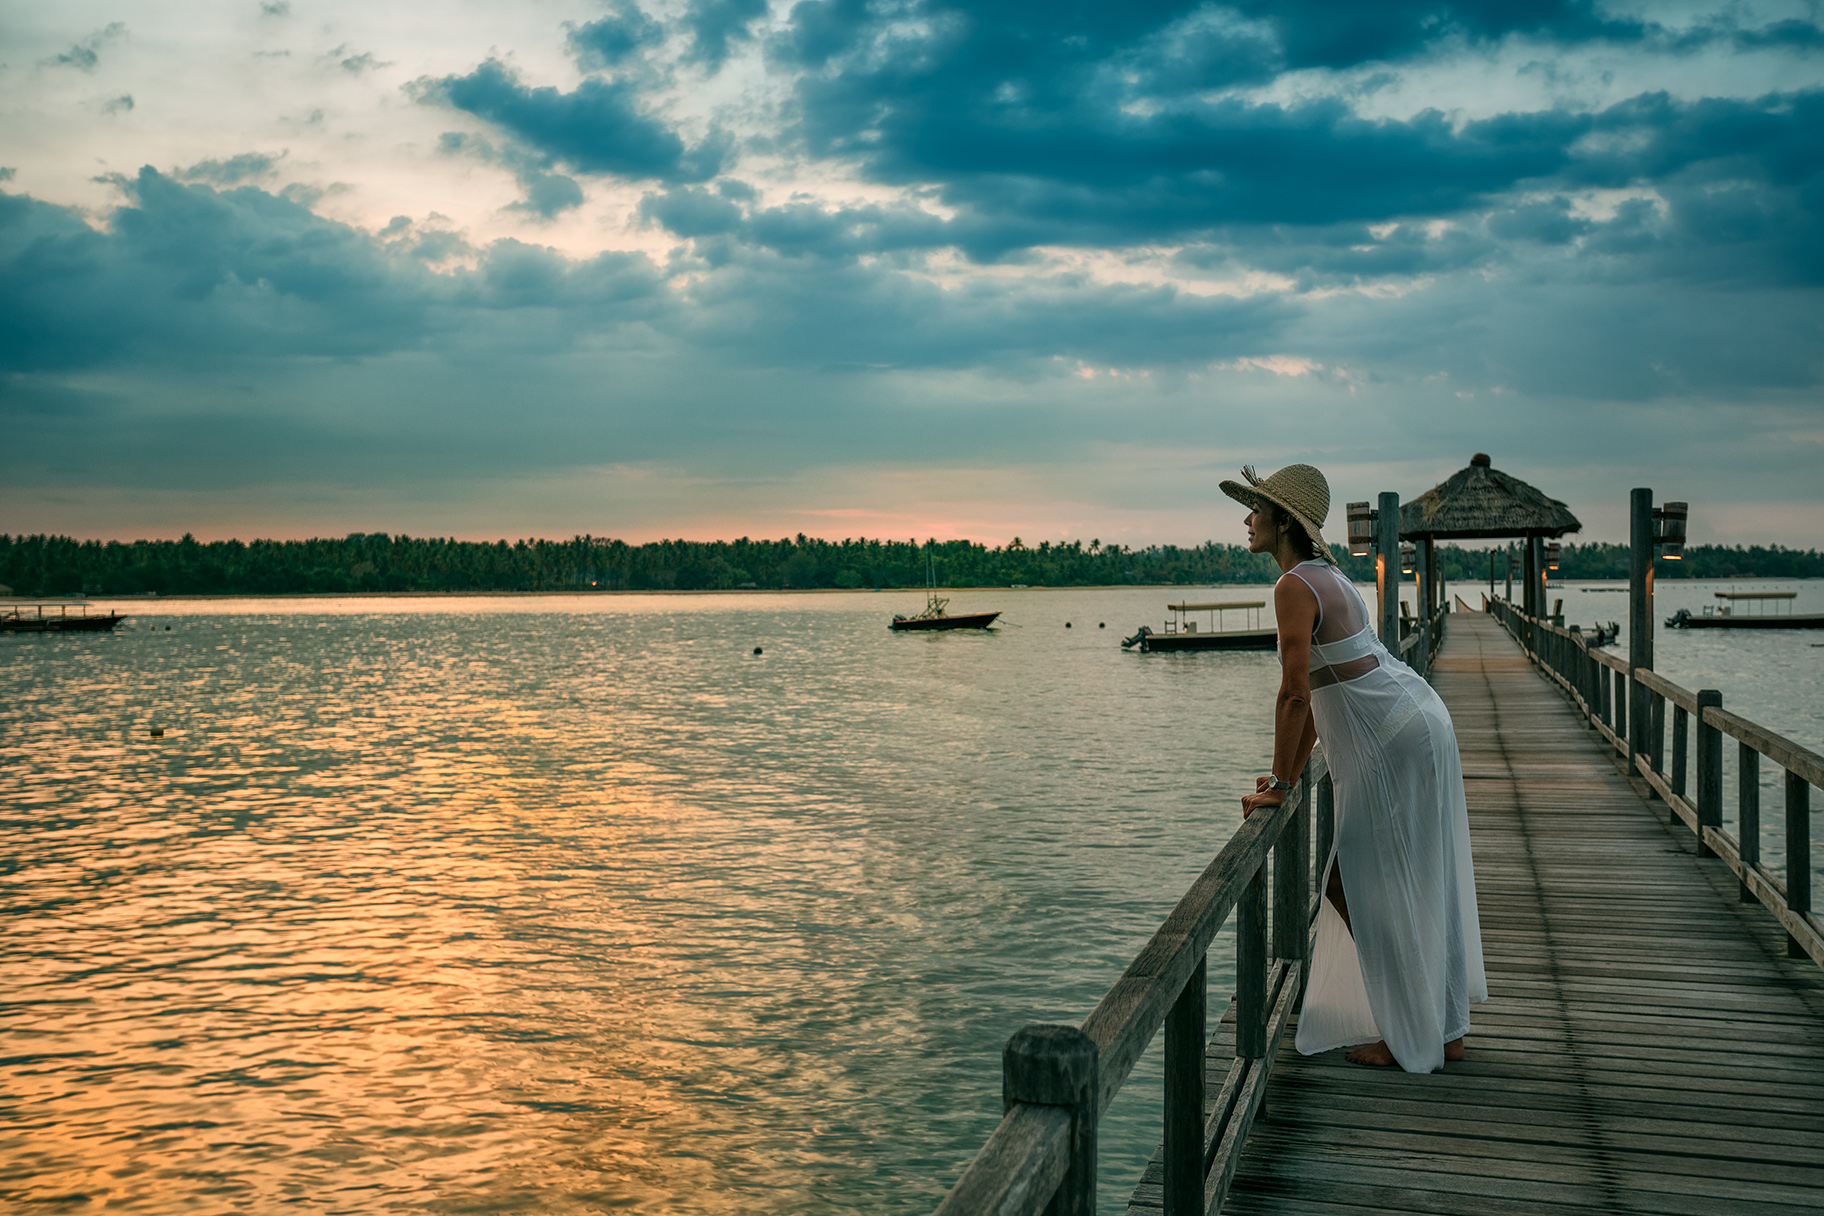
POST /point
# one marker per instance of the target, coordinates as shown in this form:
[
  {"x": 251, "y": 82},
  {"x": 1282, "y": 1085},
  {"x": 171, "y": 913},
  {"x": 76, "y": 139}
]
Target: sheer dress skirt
[{"x": 1413, "y": 965}]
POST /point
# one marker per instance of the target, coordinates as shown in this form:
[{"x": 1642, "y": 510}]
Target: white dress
[{"x": 1413, "y": 966}]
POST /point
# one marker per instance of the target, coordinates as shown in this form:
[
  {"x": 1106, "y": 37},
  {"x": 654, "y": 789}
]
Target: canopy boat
[
  {"x": 34, "y": 618},
  {"x": 1182, "y": 632},
  {"x": 1763, "y": 612}
]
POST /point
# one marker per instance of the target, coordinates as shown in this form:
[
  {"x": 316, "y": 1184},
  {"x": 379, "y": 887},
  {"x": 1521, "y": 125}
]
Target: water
[{"x": 566, "y": 904}]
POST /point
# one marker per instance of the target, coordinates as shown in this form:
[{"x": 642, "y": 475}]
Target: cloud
[
  {"x": 610, "y": 41},
  {"x": 118, "y": 105},
  {"x": 354, "y": 65},
  {"x": 547, "y": 194},
  {"x": 247, "y": 166},
  {"x": 716, "y": 25},
  {"x": 598, "y": 128},
  {"x": 85, "y": 56},
  {"x": 275, "y": 8}
]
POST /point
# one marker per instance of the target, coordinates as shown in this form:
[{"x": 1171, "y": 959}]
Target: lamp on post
[
  {"x": 1671, "y": 517},
  {"x": 1409, "y": 558},
  {"x": 1361, "y": 529},
  {"x": 1552, "y": 551}
]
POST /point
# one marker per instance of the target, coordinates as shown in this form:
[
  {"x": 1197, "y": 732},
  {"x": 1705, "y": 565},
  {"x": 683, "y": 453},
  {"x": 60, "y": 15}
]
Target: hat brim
[{"x": 1253, "y": 496}]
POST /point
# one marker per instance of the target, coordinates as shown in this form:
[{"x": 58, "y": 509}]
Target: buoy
[
  {"x": 1101, "y": 624},
  {"x": 158, "y": 732},
  {"x": 757, "y": 650},
  {"x": 1067, "y": 624}
]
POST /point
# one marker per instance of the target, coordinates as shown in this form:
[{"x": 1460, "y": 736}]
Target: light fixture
[
  {"x": 1671, "y": 538},
  {"x": 1552, "y": 550},
  {"x": 1409, "y": 559},
  {"x": 1361, "y": 528}
]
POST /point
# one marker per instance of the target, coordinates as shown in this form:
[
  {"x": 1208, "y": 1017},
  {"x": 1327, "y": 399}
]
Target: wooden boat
[
  {"x": 1763, "y": 613},
  {"x": 1182, "y": 632},
  {"x": 32, "y": 618},
  {"x": 934, "y": 617}
]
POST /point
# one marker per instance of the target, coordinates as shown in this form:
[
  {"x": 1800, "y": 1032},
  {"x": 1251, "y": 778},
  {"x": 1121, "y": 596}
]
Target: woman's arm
[{"x": 1294, "y": 732}]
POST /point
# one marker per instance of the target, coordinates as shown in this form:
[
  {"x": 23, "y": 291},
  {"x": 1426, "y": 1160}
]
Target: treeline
[{"x": 59, "y": 565}]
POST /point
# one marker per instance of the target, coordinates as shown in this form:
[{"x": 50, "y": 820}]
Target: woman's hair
[{"x": 1301, "y": 539}]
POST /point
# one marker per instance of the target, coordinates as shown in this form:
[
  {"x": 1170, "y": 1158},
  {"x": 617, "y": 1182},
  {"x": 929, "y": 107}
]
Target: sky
[{"x": 715, "y": 268}]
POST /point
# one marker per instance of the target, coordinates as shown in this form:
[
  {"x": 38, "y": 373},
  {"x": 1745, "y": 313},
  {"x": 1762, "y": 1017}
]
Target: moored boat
[
  {"x": 32, "y": 618},
  {"x": 1763, "y": 613},
  {"x": 1183, "y": 631}
]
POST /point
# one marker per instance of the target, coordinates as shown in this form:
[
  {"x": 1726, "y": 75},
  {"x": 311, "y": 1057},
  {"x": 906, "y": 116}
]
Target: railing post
[
  {"x": 1387, "y": 568},
  {"x": 1748, "y": 812},
  {"x": 1709, "y": 768},
  {"x": 1798, "y": 853},
  {"x": 1292, "y": 877},
  {"x": 1681, "y": 729},
  {"x": 1656, "y": 733},
  {"x": 1185, "y": 1038},
  {"x": 1640, "y": 613},
  {"x": 1251, "y": 963},
  {"x": 1325, "y": 833},
  {"x": 1049, "y": 1065}
]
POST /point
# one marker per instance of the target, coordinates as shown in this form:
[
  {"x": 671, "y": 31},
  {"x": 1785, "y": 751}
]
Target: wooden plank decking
[{"x": 1647, "y": 1046}]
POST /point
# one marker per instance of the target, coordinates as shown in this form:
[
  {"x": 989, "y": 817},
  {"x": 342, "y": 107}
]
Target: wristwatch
[{"x": 1274, "y": 783}]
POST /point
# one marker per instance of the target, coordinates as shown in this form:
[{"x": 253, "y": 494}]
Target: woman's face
[{"x": 1263, "y": 533}]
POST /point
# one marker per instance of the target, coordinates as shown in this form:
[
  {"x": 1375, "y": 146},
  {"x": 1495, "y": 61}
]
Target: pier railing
[
  {"x": 1603, "y": 686},
  {"x": 1058, "y": 1081}
]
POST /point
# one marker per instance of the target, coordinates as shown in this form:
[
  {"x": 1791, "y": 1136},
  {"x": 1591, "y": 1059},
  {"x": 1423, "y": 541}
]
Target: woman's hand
[{"x": 1261, "y": 797}]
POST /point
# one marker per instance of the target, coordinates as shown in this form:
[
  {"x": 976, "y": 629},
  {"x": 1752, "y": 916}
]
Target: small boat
[
  {"x": 934, "y": 616},
  {"x": 1599, "y": 635},
  {"x": 32, "y": 618},
  {"x": 1764, "y": 613},
  {"x": 1182, "y": 632}
]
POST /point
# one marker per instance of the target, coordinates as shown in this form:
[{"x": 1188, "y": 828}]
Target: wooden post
[
  {"x": 1640, "y": 613},
  {"x": 1656, "y": 735},
  {"x": 1680, "y": 729},
  {"x": 1748, "y": 812},
  {"x": 1049, "y": 1065},
  {"x": 1623, "y": 695},
  {"x": 1292, "y": 877},
  {"x": 1185, "y": 1039},
  {"x": 1428, "y": 590},
  {"x": 1709, "y": 768},
  {"x": 1387, "y": 568},
  {"x": 1251, "y": 964},
  {"x": 1535, "y": 581},
  {"x": 1798, "y": 853},
  {"x": 1325, "y": 828}
]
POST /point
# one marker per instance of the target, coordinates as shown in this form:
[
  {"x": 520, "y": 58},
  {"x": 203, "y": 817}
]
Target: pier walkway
[{"x": 1647, "y": 1045}]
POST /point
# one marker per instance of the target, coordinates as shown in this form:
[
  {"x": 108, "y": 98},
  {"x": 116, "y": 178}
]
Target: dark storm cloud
[
  {"x": 612, "y": 40},
  {"x": 1094, "y": 124},
  {"x": 716, "y": 25},
  {"x": 600, "y": 127},
  {"x": 187, "y": 273}
]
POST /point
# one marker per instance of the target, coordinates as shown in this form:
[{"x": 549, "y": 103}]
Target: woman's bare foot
[
  {"x": 1375, "y": 1054},
  {"x": 1453, "y": 1051}
]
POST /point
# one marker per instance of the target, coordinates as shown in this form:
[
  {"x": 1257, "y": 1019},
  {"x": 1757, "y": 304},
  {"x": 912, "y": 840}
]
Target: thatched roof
[{"x": 1484, "y": 501}]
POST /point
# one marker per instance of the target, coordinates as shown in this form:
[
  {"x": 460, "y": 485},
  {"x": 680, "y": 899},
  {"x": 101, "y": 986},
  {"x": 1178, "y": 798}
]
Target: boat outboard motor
[
  {"x": 1145, "y": 632},
  {"x": 1677, "y": 619}
]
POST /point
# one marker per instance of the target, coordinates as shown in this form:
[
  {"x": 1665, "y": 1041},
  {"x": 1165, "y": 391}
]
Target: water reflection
[{"x": 560, "y": 905}]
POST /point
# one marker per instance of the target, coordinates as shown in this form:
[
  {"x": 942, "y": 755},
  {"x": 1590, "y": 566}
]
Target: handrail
[
  {"x": 1057, "y": 1081},
  {"x": 1601, "y": 686}
]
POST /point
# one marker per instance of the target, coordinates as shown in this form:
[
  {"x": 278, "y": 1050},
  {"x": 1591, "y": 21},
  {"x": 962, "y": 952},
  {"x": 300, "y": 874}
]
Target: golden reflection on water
[{"x": 476, "y": 911}]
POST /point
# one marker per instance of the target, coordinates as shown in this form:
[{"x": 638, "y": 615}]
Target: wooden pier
[
  {"x": 1647, "y": 1046},
  {"x": 1654, "y": 1038}
]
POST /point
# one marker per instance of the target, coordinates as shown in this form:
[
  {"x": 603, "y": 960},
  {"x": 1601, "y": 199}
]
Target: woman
[{"x": 1398, "y": 959}]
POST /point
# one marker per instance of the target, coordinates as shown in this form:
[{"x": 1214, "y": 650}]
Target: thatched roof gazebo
[{"x": 1483, "y": 501}]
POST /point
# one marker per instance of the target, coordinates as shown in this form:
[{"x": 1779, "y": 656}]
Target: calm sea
[{"x": 573, "y": 904}]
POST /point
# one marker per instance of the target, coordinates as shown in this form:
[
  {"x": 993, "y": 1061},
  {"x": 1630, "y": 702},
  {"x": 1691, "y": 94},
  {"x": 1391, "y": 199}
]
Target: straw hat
[{"x": 1297, "y": 489}]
